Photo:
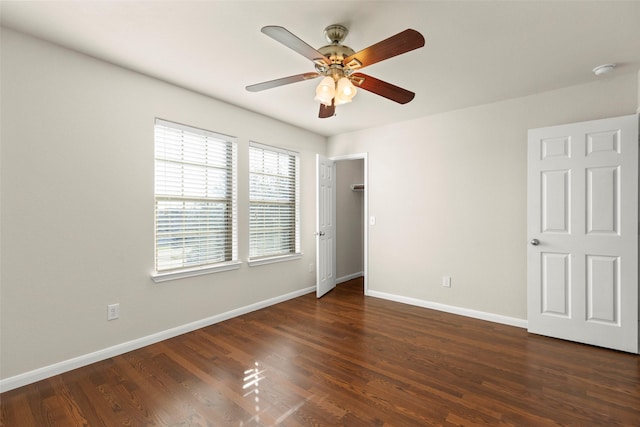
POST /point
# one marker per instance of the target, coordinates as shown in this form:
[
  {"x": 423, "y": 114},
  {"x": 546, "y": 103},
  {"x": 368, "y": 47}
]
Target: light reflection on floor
[
  {"x": 252, "y": 378},
  {"x": 251, "y": 385}
]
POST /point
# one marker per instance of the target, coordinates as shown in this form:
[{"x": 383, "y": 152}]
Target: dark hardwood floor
[{"x": 343, "y": 360}]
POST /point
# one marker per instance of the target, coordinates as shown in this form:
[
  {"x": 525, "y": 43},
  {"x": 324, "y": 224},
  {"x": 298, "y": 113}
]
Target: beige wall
[
  {"x": 349, "y": 219},
  {"x": 449, "y": 195},
  {"x": 77, "y": 206}
]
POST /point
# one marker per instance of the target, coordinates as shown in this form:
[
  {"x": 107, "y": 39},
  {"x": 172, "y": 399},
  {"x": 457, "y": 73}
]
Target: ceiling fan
[{"x": 338, "y": 63}]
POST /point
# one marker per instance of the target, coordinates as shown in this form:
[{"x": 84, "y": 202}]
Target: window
[
  {"x": 273, "y": 202},
  {"x": 195, "y": 201}
]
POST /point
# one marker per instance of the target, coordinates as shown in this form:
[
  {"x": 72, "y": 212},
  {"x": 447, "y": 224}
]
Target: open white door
[
  {"x": 583, "y": 232},
  {"x": 325, "y": 225}
]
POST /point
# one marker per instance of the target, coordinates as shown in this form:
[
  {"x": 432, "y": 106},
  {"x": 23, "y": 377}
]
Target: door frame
[{"x": 365, "y": 221}]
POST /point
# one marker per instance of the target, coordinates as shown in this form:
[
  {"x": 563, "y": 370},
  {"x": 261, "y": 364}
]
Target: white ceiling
[{"x": 476, "y": 52}]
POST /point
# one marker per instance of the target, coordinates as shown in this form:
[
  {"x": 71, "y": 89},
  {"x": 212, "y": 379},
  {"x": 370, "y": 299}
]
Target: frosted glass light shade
[
  {"x": 345, "y": 91},
  {"x": 325, "y": 91}
]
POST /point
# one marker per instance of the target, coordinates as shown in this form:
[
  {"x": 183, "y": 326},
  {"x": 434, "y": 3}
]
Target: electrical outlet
[
  {"x": 113, "y": 311},
  {"x": 446, "y": 281}
]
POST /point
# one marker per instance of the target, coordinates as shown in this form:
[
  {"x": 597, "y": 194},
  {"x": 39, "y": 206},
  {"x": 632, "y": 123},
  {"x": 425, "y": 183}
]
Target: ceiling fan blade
[
  {"x": 395, "y": 45},
  {"x": 281, "y": 82},
  {"x": 291, "y": 41},
  {"x": 326, "y": 112},
  {"x": 384, "y": 89}
]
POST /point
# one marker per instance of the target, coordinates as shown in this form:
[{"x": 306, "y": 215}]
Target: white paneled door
[
  {"x": 583, "y": 232},
  {"x": 325, "y": 225}
]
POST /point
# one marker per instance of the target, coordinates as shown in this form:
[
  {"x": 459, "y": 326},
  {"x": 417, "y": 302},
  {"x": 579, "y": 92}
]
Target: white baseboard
[
  {"x": 116, "y": 350},
  {"x": 496, "y": 318},
  {"x": 349, "y": 277}
]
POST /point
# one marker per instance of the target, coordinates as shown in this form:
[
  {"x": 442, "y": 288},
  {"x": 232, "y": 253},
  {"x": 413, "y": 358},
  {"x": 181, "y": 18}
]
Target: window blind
[
  {"x": 273, "y": 202},
  {"x": 195, "y": 197}
]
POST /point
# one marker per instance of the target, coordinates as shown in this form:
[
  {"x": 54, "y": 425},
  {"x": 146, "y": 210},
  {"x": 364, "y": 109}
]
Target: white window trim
[
  {"x": 273, "y": 148},
  {"x": 253, "y": 262},
  {"x": 192, "y": 272},
  {"x": 275, "y": 259}
]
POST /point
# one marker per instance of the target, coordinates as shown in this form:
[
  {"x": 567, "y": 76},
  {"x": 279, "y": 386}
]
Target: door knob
[
  {"x": 320, "y": 233},
  {"x": 535, "y": 242}
]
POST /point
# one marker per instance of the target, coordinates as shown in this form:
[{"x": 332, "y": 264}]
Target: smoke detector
[{"x": 603, "y": 69}]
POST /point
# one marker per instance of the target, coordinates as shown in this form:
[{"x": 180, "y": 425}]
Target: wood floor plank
[{"x": 343, "y": 360}]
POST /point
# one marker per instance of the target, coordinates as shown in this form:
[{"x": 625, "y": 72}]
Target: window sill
[
  {"x": 272, "y": 260},
  {"x": 180, "y": 274}
]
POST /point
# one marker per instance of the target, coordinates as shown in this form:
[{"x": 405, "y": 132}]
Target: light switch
[
  {"x": 372, "y": 220},
  {"x": 446, "y": 281}
]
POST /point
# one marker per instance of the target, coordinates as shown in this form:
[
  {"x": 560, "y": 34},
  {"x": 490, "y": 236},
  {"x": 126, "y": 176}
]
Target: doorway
[
  {"x": 351, "y": 218},
  {"x": 326, "y": 186}
]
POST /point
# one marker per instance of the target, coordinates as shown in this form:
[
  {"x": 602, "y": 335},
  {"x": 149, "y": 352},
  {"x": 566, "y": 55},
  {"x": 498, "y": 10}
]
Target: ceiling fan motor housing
[{"x": 335, "y": 52}]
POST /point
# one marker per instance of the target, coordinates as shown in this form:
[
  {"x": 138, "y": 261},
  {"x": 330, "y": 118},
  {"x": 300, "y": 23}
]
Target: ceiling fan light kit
[{"x": 337, "y": 64}]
